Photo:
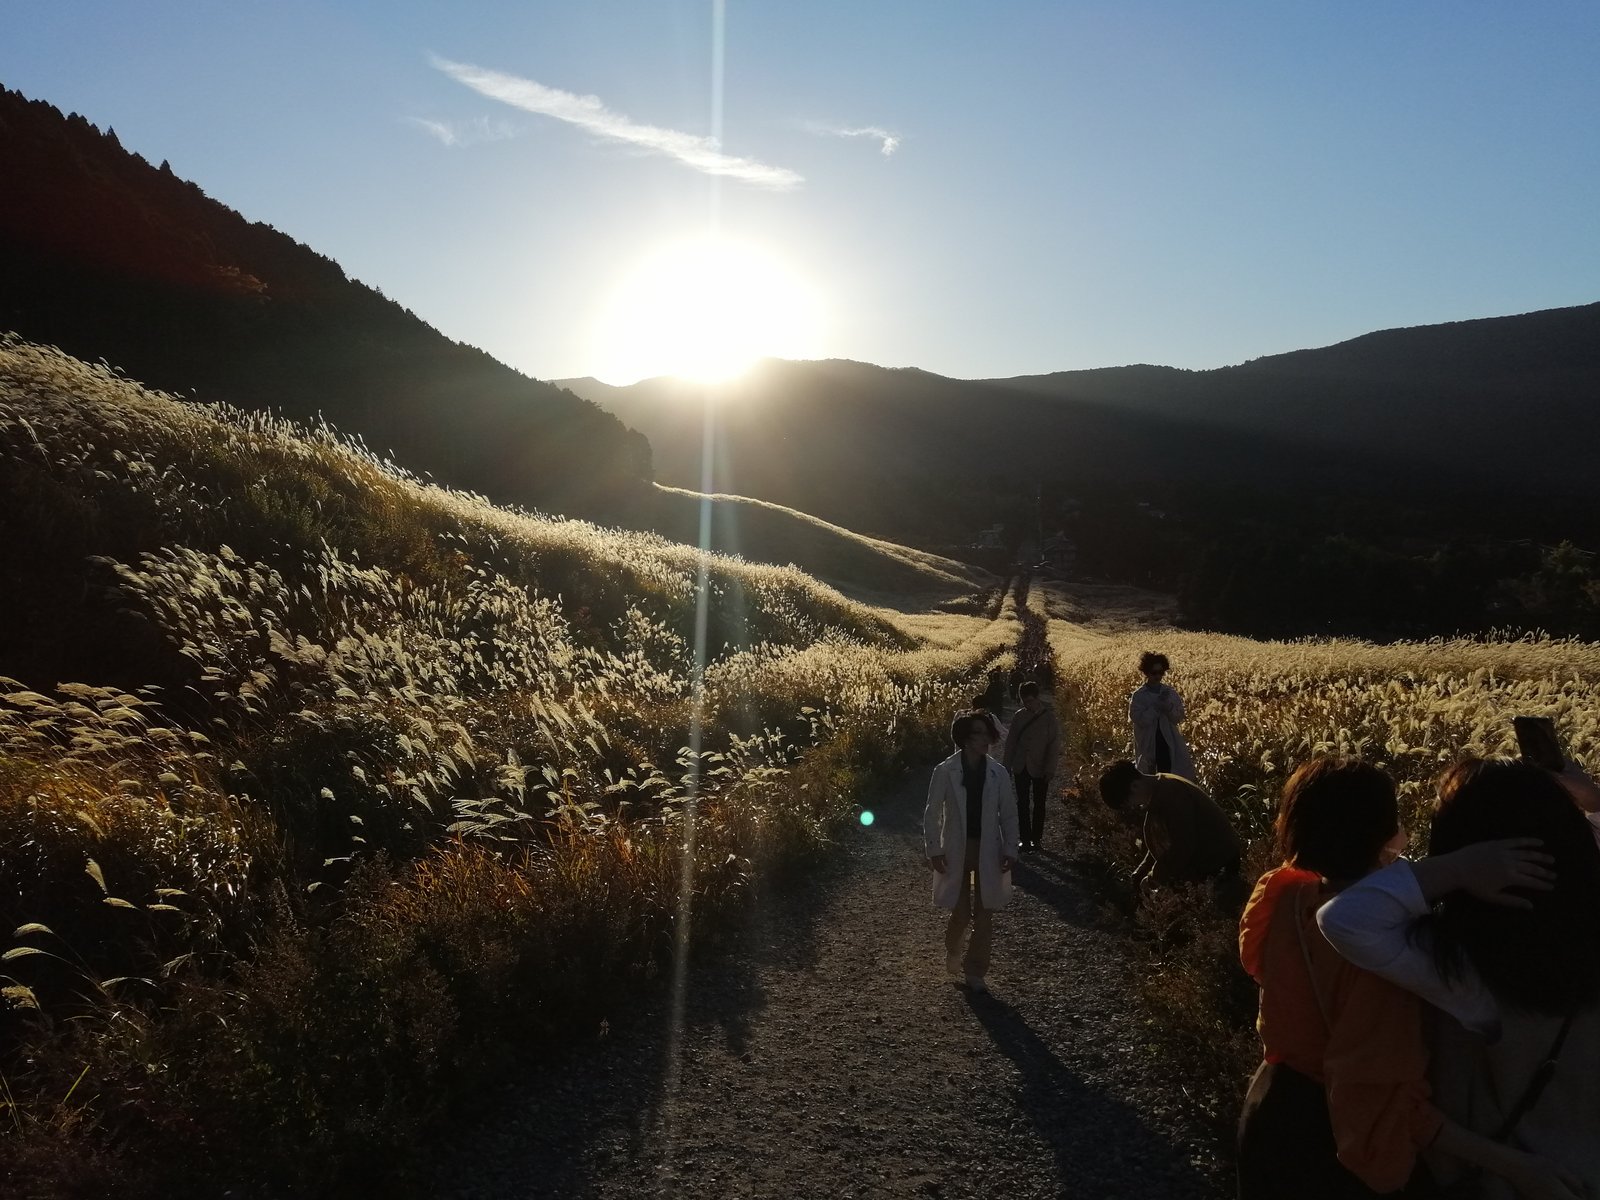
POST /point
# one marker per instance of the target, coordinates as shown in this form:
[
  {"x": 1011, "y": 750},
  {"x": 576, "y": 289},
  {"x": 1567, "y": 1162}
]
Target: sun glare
[{"x": 705, "y": 310}]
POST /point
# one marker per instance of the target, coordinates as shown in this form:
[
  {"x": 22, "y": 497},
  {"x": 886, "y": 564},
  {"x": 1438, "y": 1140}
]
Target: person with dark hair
[
  {"x": 1340, "y": 1104},
  {"x": 997, "y": 727},
  {"x": 1187, "y": 838},
  {"x": 970, "y": 840},
  {"x": 1154, "y": 710},
  {"x": 1032, "y": 748},
  {"x": 1499, "y": 929}
]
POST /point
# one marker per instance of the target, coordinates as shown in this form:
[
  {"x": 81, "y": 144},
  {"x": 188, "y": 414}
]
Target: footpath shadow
[
  {"x": 1049, "y": 877},
  {"x": 571, "y": 1111},
  {"x": 1102, "y": 1146}
]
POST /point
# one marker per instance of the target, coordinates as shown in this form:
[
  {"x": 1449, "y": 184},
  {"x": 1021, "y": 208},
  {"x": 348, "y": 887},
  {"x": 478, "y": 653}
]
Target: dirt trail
[{"x": 824, "y": 1053}]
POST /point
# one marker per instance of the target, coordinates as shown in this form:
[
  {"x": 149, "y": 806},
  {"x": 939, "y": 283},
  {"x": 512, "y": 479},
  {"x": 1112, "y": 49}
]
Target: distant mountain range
[
  {"x": 1519, "y": 392},
  {"x": 906, "y": 454},
  {"x": 1499, "y": 406},
  {"x": 1429, "y": 451},
  {"x": 111, "y": 258}
]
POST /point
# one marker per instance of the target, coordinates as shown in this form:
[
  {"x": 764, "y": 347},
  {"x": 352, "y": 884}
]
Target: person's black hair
[
  {"x": 1150, "y": 660},
  {"x": 1028, "y": 690},
  {"x": 1335, "y": 817},
  {"x": 1545, "y": 959},
  {"x": 980, "y": 702},
  {"x": 961, "y": 728},
  {"x": 1116, "y": 783}
]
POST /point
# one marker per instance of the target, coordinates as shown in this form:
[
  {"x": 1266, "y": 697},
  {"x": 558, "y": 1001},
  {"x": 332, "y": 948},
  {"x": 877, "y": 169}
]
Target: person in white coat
[
  {"x": 1155, "y": 708},
  {"x": 970, "y": 838}
]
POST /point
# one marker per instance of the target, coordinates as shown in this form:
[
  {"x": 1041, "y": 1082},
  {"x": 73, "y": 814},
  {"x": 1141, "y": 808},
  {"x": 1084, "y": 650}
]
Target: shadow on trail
[
  {"x": 1102, "y": 1147},
  {"x": 575, "y": 1111},
  {"x": 1048, "y": 877}
]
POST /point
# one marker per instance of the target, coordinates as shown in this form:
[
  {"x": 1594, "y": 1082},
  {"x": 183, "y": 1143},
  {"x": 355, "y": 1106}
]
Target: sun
[{"x": 705, "y": 309}]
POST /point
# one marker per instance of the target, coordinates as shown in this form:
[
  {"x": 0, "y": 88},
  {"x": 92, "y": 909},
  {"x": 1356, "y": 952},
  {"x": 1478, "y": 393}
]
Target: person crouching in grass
[
  {"x": 1187, "y": 838},
  {"x": 970, "y": 839}
]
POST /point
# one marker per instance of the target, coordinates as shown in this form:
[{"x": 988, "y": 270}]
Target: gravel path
[{"x": 824, "y": 1053}]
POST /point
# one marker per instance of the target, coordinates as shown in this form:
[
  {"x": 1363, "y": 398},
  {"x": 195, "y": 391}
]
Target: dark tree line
[{"x": 111, "y": 258}]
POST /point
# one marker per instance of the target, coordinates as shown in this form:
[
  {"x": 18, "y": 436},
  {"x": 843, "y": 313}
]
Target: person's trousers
[
  {"x": 1031, "y": 793},
  {"x": 1163, "y": 755},
  {"x": 1286, "y": 1145},
  {"x": 969, "y": 907}
]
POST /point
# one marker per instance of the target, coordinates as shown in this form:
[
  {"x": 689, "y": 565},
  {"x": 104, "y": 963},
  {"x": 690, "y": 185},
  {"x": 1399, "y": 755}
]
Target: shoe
[
  {"x": 975, "y": 983},
  {"x": 952, "y": 963}
]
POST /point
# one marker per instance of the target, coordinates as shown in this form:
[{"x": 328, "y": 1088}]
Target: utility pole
[{"x": 1038, "y": 516}]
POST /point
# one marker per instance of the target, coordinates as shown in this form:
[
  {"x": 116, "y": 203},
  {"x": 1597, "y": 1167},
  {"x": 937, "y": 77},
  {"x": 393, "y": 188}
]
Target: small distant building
[
  {"x": 992, "y": 538},
  {"x": 1059, "y": 553}
]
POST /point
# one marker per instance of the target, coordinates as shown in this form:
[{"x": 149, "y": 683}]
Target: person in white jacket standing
[
  {"x": 1155, "y": 708},
  {"x": 970, "y": 838}
]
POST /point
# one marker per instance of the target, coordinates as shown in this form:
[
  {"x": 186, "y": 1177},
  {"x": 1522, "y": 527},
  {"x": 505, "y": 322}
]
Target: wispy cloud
[
  {"x": 464, "y": 133},
  {"x": 588, "y": 113},
  {"x": 888, "y": 142}
]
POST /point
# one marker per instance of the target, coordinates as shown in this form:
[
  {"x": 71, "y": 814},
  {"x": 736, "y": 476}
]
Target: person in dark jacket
[
  {"x": 1033, "y": 744},
  {"x": 1187, "y": 838}
]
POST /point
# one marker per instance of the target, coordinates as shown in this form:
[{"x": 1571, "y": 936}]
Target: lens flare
[{"x": 866, "y": 816}]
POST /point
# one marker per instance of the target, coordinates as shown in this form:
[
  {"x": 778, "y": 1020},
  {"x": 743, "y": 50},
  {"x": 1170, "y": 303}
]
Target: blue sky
[{"x": 1072, "y": 184}]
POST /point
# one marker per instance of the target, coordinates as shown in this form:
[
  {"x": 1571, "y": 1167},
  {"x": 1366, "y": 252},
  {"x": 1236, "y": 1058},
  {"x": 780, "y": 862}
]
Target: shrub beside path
[{"x": 824, "y": 1053}]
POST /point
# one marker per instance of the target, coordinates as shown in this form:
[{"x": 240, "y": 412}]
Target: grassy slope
[
  {"x": 110, "y": 257},
  {"x": 415, "y": 787},
  {"x": 770, "y": 533}
]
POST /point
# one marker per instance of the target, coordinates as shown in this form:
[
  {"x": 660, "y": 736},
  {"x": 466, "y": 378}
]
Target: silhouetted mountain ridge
[
  {"x": 1488, "y": 407},
  {"x": 1512, "y": 393}
]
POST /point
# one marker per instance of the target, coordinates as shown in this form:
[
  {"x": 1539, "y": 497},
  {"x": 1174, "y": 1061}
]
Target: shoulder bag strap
[
  {"x": 1536, "y": 1085},
  {"x": 1305, "y": 955},
  {"x": 1023, "y": 728}
]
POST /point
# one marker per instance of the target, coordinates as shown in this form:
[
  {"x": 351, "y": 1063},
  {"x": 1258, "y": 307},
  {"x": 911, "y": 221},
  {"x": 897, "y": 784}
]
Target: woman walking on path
[
  {"x": 970, "y": 839},
  {"x": 1155, "y": 708},
  {"x": 1032, "y": 746},
  {"x": 1340, "y": 1105}
]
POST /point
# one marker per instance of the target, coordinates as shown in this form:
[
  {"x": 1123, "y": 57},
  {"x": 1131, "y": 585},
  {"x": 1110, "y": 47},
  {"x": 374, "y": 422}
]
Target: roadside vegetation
[
  {"x": 324, "y": 790},
  {"x": 1256, "y": 710}
]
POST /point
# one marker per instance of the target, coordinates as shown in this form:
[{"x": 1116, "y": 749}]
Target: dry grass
[
  {"x": 417, "y": 788},
  {"x": 1255, "y": 711}
]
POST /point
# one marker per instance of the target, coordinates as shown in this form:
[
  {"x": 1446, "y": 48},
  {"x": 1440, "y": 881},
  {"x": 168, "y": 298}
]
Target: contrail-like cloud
[
  {"x": 454, "y": 133},
  {"x": 888, "y": 142},
  {"x": 587, "y": 112}
]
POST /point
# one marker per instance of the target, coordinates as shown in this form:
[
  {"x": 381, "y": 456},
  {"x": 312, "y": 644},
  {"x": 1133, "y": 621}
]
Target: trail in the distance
[{"x": 826, "y": 1054}]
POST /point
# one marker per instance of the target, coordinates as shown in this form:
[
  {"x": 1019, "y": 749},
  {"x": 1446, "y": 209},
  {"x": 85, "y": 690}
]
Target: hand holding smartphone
[{"x": 1538, "y": 743}]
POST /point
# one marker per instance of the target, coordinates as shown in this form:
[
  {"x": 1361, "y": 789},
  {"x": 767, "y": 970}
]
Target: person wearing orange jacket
[{"x": 1340, "y": 1106}]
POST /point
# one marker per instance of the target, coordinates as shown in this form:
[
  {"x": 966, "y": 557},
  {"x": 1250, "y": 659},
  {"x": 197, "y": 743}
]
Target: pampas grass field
[
  {"x": 322, "y": 788},
  {"x": 1256, "y": 710}
]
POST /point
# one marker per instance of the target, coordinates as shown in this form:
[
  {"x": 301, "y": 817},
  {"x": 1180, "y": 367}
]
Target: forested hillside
[
  {"x": 916, "y": 457},
  {"x": 1513, "y": 394},
  {"x": 1397, "y": 485},
  {"x": 112, "y": 258}
]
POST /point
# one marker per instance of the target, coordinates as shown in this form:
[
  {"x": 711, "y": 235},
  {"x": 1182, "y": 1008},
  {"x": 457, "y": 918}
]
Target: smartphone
[{"x": 1538, "y": 743}]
